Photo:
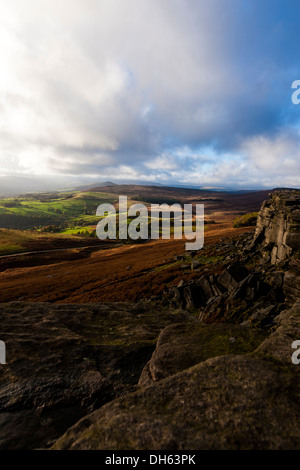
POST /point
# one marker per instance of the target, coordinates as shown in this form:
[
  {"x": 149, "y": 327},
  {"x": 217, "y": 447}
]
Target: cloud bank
[{"x": 194, "y": 92}]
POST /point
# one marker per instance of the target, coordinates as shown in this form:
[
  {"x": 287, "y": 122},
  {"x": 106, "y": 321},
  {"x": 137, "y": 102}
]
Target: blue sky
[{"x": 175, "y": 92}]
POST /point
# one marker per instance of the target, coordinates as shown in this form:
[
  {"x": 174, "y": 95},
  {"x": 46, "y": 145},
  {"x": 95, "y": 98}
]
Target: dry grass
[{"x": 127, "y": 273}]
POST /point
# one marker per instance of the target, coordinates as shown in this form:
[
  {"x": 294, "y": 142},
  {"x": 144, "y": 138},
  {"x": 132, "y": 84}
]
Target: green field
[
  {"x": 63, "y": 210},
  {"x": 69, "y": 214}
]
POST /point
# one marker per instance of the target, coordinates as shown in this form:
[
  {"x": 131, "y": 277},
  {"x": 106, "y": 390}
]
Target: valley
[{"x": 68, "y": 267}]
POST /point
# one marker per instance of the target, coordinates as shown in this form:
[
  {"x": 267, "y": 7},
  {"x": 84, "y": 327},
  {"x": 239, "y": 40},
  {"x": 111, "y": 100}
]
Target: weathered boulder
[
  {"x": 232, "y": 276},
  {"x": 186, "y": 344},
  {"x": 263, "y": 317},
  {"x": 278, "y": 344},
  {"x": 230, "y": 402},
  {"x": 291, "y": 287},
  {"x": 246, "y": 401},
  {"x": 250, "y": 288},
  {"x": 193, "y": 294},
  {"x": 65, "y": 360},
  {"x": 237, "y": 302},
  {"x": 199, "y": 292}
]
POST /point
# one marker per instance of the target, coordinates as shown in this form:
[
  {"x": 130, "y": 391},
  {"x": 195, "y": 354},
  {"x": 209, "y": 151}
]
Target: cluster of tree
[{"x": 50, "y": 229}]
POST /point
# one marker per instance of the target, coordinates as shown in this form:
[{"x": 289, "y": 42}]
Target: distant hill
[
  {"x": 87, "y": 187},
  {"x": 16, "y": 185}
]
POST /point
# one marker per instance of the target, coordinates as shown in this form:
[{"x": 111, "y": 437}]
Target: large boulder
[
  {"x": 65, "y": 360},
  {"x": 230, "y": 402},
  {"x": 232, "y": 276},
  {"x": 241, "y": 401},
  {"x": 183, "y": 345}
]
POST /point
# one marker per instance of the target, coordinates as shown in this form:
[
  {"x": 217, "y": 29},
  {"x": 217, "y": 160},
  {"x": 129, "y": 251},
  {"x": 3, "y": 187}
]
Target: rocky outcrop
[
  {"x": 250, "y": 288},
  {"x": 63, "y": 361},
  {"x": 278, "y": 344},
  {"x": 278, "y": 226},
  {"x": 206, "y": 367},
  {"x": 220, "y": 386},
  {"x": 226, "y": 402},
  {"x": 234, "y": 294}
]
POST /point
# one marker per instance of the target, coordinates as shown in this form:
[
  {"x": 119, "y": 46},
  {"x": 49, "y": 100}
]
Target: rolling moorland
[
  {"x": 76, "y": 269},
  {"x": 146, "y": 345}
]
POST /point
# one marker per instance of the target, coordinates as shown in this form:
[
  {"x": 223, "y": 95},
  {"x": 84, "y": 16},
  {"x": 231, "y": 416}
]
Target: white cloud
[
  {"x": 163, "y": 162},
  {"x": 277, "y": 155},
  {"x": 90, "y": 87}
]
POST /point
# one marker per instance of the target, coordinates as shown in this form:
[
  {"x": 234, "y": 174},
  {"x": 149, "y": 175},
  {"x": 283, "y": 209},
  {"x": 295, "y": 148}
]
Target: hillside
[{"x": 185, "y": 370}]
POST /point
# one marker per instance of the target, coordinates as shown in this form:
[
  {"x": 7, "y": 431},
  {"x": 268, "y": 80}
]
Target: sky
[{"x": 173, "y": 92}]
